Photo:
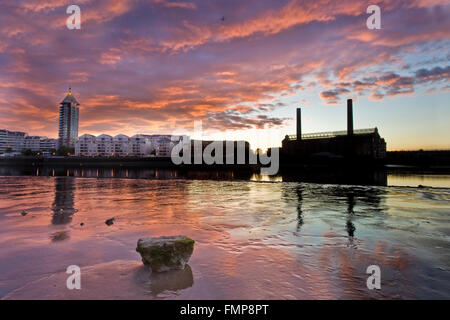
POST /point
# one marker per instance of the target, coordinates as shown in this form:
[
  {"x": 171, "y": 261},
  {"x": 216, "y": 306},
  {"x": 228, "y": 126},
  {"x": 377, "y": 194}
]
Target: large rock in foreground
[{"x": 165, "y": 253}]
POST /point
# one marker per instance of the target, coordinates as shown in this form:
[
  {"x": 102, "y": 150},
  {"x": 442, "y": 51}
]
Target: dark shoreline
[
  {"x": 396, "y": 162},
  {"x": 324, "y": 172},
  {"x": 144, "y": 163}
]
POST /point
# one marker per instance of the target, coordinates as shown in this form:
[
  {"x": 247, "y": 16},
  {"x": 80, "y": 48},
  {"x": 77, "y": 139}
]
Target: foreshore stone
[
  {"x": 110, "y": 222},
  {"x": 165, "y": 253}
]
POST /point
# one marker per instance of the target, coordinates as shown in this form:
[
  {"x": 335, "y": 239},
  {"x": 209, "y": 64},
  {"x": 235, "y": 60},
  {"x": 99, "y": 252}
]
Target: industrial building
[{"x": 350, "y": 144}]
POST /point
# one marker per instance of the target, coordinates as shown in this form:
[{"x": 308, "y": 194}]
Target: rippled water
[{"x": 254, "y": 240}]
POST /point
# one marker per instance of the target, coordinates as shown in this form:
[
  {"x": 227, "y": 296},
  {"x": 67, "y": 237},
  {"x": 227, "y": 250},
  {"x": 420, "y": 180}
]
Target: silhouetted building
[
  {"x": 68, "y": 121},
  {"x": 364, "y": 143},
  {"x": 232, "y": 152}
]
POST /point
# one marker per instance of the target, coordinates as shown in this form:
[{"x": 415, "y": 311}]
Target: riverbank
[
  {"x": 420, "y": 158},
  {"x": 129, "y": 162},
  {"x": 406, "y": 161}
]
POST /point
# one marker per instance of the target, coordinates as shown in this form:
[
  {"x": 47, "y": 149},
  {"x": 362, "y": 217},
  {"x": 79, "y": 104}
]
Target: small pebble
[{"x": 110, "y": 221}]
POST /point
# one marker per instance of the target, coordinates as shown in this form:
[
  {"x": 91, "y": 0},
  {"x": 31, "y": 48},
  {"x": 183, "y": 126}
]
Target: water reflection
[
  {"x": 172, "y": 280},
  {"x": 59, "y": 236},
  {"x": 378, "y": 177},
  {"x": 368, "y": 197},
  {"x": 156, "y": 283},
  {"x": 131, "y": 173},
  {"x": 63, "y": 204},
  {"x": 337, "y": 176},
  {"x": 299, "y": 191},
  {"x": 299, "y": 231},
  {"x": 350, "y": 226},
  {"x": 346, "y": 203}
]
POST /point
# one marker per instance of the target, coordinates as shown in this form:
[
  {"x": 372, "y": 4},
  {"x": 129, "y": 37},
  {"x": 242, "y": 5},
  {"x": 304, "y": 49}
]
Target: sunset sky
[{"x": 153, "y": 66}]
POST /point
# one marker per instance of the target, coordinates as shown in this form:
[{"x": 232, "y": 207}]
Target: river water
[{"x": 255, "y": 239}]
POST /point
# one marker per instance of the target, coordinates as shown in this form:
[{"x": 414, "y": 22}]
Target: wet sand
[{"x": 254, "y": 240}]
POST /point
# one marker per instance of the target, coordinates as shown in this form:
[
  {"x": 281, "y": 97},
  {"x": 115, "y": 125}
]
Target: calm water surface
[{"x": 254, "y": 239}]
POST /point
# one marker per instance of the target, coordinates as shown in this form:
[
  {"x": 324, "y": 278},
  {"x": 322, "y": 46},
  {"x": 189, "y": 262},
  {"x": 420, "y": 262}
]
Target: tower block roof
[{"x": 70, "y": 98}]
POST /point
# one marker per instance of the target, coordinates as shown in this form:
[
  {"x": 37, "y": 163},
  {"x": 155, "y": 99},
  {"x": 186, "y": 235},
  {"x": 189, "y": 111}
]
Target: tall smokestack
[
  {"x": 350, "y": 117},
  {"x": 299, "y": 124}
]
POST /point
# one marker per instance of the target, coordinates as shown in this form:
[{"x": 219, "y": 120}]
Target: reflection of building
[
  {"x": 139, "y": 145},
  {"x": 348, "y": 175},
  {"x": 63, "y": 206},
  {"x": 350, "y": 226},
  {"x": 11, "y": 141},
  {"x": 68, "y": 121},
  {"x": 365, "y": 143},
  {"x": 299, "y": 190},
  {"x": 350, "y": 203}
]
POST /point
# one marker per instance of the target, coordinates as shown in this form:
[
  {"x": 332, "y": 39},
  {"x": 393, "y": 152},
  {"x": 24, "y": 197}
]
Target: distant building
[
  {"x": 233, "y": 151},
  {"x": 86, "y": 145},
  {"x": 16, "y": 141},
  {"x": 32, "y": 143},
  {"x": 48, "y": 144},
  {"x": 68, "y": 121},
  {"x": 105, "y": 147},
  {"x": 139, "y": 145},
  {"x": 121, "y": 145},
  {"x": 12, "y": 141},
  {"x": 161, "y": 145},
  {"x": 38, "y": 143},
  {"x": 365, "y": 143}
]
